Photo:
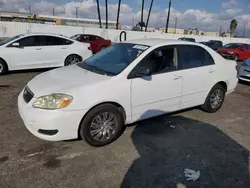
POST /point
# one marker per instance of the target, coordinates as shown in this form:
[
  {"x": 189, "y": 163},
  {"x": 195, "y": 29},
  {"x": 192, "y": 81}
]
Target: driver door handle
[{"x": 176, "y": 77}]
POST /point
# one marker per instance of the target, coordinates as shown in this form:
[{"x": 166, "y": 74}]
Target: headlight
[
  {"x": 230, "y": 52},
  {"x": 53, "y": 101}
]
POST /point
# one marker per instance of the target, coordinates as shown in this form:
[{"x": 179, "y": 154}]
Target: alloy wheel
[{"x": 216, "y": 99}]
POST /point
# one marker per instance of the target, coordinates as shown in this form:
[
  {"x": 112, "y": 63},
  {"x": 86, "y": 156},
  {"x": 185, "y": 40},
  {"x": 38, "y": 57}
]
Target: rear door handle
[
  {"x": 211, "y": 70},
  {"x": 64, "y": 48},
  {"x": 38, "y": 48},
  {"x": 176, "y": 77}
]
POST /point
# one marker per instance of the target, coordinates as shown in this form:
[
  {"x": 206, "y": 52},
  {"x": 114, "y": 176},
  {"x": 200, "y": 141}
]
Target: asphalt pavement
[{"x": 151, "y": 153}]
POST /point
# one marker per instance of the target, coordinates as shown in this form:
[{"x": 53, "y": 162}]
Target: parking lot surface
[{"x": 151, "y": 153}]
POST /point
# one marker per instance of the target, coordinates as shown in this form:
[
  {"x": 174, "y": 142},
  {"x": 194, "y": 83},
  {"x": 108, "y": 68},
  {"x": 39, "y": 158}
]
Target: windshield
[
  {"x": 232, "y": 46},
  {"x": 74, "y": 37},
  {"x": 113, "y": 59},
  {"x": 10, "y": 39}
]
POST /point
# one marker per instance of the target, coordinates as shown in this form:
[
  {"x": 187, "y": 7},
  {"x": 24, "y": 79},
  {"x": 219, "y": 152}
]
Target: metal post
[
  {"x": 142, "y": 8},
  {"x": 118, "y": 14},
  {"x": 152, "y": 1},
  {"x": 169, "y": 6},
  {"x": 176, "y": 19},
  {"x": 106, "y": 4},
  {"x": 98, "y": 11}
]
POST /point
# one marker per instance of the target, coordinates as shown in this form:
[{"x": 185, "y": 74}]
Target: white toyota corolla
[
  {"x": 40, "y": 50},
  {"x": 122, "y": 84}
]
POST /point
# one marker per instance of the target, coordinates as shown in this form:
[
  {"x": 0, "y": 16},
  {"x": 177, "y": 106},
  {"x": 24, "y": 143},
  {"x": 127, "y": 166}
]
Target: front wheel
[
  {"x": 3, "y": 67},
  {"x": 214, "y": 99},
  {"x": 102, "y": 125}
]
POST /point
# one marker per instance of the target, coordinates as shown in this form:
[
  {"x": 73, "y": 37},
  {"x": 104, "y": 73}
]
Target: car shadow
[{"x": 169, "y": 144}]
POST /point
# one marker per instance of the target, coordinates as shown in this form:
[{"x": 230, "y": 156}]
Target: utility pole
[
  {"x": 169, "y": 7},
  {"x": 53, "y": 11},
  {"x": 106, "y": 4},
  {"x": 142, "y": 8},
  {"x": 244, "y": 30},
  {"x": 29, "y": 9},
  {"x": 118, "y": 14},
  {"x": 99, "y": 15},
  {"x": 152, "y": 1},
  {"x": 175, "y": 25}
]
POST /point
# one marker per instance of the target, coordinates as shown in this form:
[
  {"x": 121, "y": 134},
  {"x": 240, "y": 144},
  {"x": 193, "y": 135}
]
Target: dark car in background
[
  {"x": 214, "y": 44},
  {"x": 97, "y": 43},
  {"x": 187, "y": 39},
  {"x": 236, "y": 51}
]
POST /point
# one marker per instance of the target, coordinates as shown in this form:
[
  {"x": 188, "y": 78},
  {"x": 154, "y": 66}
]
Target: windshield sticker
[{"x": 140, "y": 47}]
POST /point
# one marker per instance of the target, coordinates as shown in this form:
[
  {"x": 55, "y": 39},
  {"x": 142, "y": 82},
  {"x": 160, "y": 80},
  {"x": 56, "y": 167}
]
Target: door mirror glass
[
  {"x": 16, "y": 44},
  {"x": 142, "y": 71}
]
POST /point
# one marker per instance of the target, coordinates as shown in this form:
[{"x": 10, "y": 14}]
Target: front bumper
[
  {"x": 244, "y": 73},
  {"x": 41, "y": 123}
]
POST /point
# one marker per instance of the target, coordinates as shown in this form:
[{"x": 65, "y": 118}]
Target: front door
[
  {"x": 160, "y": 92},
  {"x": 29, "y": 54}
]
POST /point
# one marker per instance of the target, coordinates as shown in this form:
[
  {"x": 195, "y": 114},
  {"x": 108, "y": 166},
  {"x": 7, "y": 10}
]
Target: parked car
[
  {"x": 31, "y": 51},
  {"x": 125, "y": 83},
  {"x": 187, "y": 39},
  {"x": 236, "y": 51},
  {"x": 97, "y": 43},
  {"x": 214, "y": 44},
  {"x": 244, "y": 71}
]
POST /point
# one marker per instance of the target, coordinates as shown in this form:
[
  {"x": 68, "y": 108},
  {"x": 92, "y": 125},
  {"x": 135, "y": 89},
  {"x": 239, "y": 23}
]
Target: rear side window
[
  {"x": 55, "y": 41},
  {"x": 30, "y": 41},
  {"x": 93, "y": 38},
  {"x": 193, "y": 56}
]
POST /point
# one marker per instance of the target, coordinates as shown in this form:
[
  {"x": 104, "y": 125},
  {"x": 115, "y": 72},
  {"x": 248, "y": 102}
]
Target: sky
[{"x": 205, "y": 15}]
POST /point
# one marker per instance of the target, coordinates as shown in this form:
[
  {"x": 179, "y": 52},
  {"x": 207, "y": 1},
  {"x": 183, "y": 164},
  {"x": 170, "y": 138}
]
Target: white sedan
[
  {"x": 31, "y": 51},
  {"x": 122, "y": 84},
  {"x": 244, "y": 71}
]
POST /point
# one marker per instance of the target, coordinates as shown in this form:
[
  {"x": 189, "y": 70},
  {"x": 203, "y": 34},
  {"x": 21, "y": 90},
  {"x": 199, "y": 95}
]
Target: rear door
[
  {"x": 197, "y": 69},
  {"x": 56, "y": 49},
  {"x": 29, "y": 54}
]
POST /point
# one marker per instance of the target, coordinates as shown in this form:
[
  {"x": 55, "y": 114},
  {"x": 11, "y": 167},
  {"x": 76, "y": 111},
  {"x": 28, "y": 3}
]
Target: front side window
[
  {"x": 232, "y": 46},
  {"x": 10, "y": 39},
  {"x": 160, "y": 60},
  {"x": 30, "y": 41},
  {"x": 113, "y": 59},
  {"x": 193, "y": 56}
]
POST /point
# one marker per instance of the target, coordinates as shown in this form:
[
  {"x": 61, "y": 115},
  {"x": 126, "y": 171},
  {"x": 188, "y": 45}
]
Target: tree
[
  {"x": 233, "y": 26},
  {"x": 141, "y": 24}
]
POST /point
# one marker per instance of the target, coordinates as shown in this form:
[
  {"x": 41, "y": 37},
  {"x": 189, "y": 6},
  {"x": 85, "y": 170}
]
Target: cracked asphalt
[{"x": 151, "y": 153}]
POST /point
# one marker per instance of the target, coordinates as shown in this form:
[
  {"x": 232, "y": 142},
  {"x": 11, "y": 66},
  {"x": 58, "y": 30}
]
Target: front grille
[
  {"x": 245, "y": 77},
  {"x": 27, "y": 94}
]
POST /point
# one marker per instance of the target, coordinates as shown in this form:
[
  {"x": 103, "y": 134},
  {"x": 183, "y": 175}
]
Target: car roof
[
  {"x": 49, "y": 34},
  {"x": 153, "y": 42}
]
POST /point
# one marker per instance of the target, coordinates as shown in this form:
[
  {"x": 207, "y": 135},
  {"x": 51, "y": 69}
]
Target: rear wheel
[
  {"x": 214, "y": 99},
  {"x": 102, "y": 48},
  {"x": 102, "y": 125},
  {"x": 72, "y": 59},
  {"x": 3, "y": 67}
]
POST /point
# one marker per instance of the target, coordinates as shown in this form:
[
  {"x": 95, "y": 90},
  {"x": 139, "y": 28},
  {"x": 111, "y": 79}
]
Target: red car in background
[
  {"x": 236, "y": 51},
  {"x": 97, "y": 43}
]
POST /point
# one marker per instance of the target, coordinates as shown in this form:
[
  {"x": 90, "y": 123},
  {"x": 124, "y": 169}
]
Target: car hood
[{"x": 63, "y": 79}]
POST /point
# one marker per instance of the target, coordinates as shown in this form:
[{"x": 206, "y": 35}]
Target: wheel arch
[
  {"x": 117, "y": 105},
  {"x": 223, "y": 84}
]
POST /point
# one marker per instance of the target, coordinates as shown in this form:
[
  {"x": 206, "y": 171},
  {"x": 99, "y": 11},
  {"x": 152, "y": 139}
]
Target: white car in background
[
  {"x": 244, "y": 71},
  {"x": 122, "y": 84},
  {"x": 40, "y": 50}
]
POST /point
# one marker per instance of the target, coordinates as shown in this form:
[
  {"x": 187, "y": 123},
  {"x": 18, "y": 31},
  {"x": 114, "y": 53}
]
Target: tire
[
  {"x": 102, "y": 48},
  {"x": 236, "y": 57},
  {"x": 210, "y": 107},
  {"x": 72, "y": 59},
  {"x": 3, "y": 67},
  {"x": 97, "y": 138}
]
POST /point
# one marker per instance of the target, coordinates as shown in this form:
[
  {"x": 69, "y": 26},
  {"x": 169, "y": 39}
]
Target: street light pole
[
  {"x": 106, "y": 4},
  {"x": 99, "y": 15},
  {"x": 118, "y": 14},
  {"x": 169, "y": 7},
  {"x": 77, "y": 14},
  {"x": 176, "y": 19},
  {"x": 152, "y": 1},
  {"x": 142, "y": 8},
  {"x": 29, "y": 9},
  {"x": 244, "y": 30}
]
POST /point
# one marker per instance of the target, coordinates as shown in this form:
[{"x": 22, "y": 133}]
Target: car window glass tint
[
  {"x": 193, "y": 56},
  {"x": 30, "y": 41},
  {"x": 54, "y": 41},
  {"x": 159, "y": 61}
]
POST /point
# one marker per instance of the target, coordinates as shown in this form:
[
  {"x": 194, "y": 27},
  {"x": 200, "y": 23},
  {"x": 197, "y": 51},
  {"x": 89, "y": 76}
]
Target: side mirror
[
  {"x": 16, "y": 44},
  {"x": 142, "y": 71}
]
